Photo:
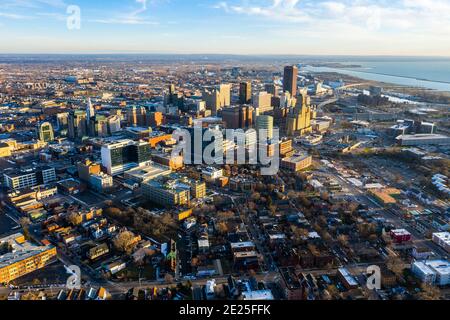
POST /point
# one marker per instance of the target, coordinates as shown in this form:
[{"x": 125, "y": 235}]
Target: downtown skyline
[{"x": 344, "y": 27}]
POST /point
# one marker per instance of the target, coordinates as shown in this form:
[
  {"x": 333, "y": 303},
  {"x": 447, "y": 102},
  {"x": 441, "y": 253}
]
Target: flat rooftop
[
  {"x": 21, "y": 249},
  {"x": 421, "y": 136}
]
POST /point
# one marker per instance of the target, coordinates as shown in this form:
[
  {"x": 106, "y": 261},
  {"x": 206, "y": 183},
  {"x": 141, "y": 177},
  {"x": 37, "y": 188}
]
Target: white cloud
[{"x": 417, "y": 16}]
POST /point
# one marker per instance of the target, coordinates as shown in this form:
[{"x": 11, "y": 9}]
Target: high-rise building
[
  {"x": 263, "y": 102},
  {"x": 113, "y": 124},
  {"x": 120, "y": 156},
  {"x": 217, "y": 98},
  {"x": 225, "y": 95},
  {"x": 136, "y": 116},
  {"x": 245, "y": 92},
  {"x": 45, "y": 132},
  {"x": 272, "y": 88},
  {"x": 265, "y": 123},
  {"x": 62, "y": 121},
  {"x": 239, "y": 117},
  {"x": 155, "y": 119},
  {"x": 290, "y": 80},
  {"x": 98, "y": 126},
  {"x": 90, "y": 111},
  {"x": 77, "y": 124},
  {"x": 299, "y": 119}
]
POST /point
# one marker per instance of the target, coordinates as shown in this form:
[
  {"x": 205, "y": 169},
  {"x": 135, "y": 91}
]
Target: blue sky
[{"x": 361, "y": 27}]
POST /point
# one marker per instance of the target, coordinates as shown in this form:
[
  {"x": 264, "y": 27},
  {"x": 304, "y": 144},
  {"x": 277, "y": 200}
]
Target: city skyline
[{"x": 292, "y": 27}]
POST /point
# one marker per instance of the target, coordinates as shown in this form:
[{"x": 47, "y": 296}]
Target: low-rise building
[
  {"x": 167, "y": 192},
  {"x": 297, "y": 163},
  {"x": 98, "y": 251},
  {"x": 148, "y": 172},
  {"x": 23, "y": 258},
  {"x": 435, "y": 272},
  {"x": 101, "y": 182},
  {"x": 442, "y": 239}
]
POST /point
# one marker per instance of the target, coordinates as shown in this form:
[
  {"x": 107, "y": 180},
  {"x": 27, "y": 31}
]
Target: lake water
[{"x": 430, "y": 73}]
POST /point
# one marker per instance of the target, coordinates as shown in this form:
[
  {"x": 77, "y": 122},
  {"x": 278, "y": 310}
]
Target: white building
[
  {"x": 435, "y": 272},
  {"x": 423, "y": 272},
  {"x": 212, "y": 174},
  {"x": 442, "y": 239}
]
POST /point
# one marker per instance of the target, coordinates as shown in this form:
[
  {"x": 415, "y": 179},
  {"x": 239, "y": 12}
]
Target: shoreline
[{"x": 433, "y": 85}]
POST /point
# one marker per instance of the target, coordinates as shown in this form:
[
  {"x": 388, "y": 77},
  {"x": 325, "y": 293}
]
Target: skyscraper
[
  {"x": 262, "y": 101},
  {"x": 217, "y": 98},
  {"x": 290, "y": 80},
  {"x": 271, "y": 88},
  {"x": 77, "y": 124},
  {"x": 245, "y": 92},
  {"x": 299, "y": 119},
  {"x": 239, "y": 117},
  {"x": 90, "y": 111},
  {"x": 265, "y": 123},
  {"x": 45, "y": 132},
  {"x": 136, "y": 116},
  {"x": 62, "y": 121}
]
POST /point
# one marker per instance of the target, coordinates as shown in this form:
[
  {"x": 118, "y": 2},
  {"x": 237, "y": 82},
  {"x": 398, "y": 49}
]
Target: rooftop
[{"x": 21, "y": 249}]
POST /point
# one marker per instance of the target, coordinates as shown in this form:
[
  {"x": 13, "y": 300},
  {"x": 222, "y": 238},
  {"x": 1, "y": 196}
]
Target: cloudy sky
[{"x": 360, "y": 27}]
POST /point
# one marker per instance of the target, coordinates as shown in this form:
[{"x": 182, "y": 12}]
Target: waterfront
[{"x": 429, "y": 74}]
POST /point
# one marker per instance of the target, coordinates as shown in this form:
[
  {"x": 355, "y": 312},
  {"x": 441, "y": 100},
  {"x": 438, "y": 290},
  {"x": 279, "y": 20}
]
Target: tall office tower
[
  {"x": 98, "y": 126},
  {"x": 171, "y": 88},
  {"x": 113, "y": 124},
  {"x": 265, "y": 123},
  {"x": 272, "y": 88},
  {"x": 45, "y": 132},
  {"x": 225, "y": 95},
  {"x": 90, "y": 110},
  {"x": 217, "y": 98},
  {"x": 212, "y": 100},
  {"x": 136, "y": 116},
  {"x": 245, "y": 92},
  {"x": 62, "y": 121},
  {"x": 290, "y": 80},
  {"x": 263, "y": 102},
  {"x": 239, "y": 117},
  {"x": 287, "y": 101},
  {"x": 120, "y": 156},
  {"x": 77, "y": 124},
  {"x": 155, "y": 119},
  {"x": 299, "y": 119}
]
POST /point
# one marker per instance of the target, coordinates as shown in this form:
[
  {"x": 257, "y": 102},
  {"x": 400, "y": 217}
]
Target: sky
[{"x": 297, "y": 27}]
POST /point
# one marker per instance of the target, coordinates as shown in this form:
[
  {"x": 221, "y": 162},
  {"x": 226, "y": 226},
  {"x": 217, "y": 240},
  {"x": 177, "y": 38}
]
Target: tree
[
  {"x": 395, "y": 264},
  {"x": 343, "y": 240},
  {"x": 124, "y": 242},
  {"x": 168, "y": 278},
  {"x": 222, "y": 228},
  {"x": 429, "y": 292},
  {"x": 25, "y": 224},
  {"x": 74, "y": 219}
]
